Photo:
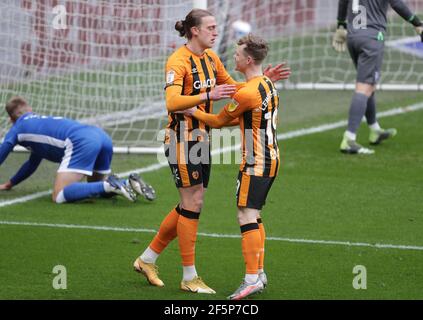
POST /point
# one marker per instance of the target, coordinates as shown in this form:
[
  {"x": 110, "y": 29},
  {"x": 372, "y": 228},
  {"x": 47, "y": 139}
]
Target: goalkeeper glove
[
  {"x": 339, "y": 42},
  {"x": 418, "y": 25},
  {"x": 419, "y": 31}
]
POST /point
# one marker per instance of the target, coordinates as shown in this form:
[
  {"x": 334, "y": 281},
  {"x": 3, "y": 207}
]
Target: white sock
[
  {"x": 251, "y": 278},
  {"x": 189, "y": 273},
  {"x": 375, "y": 126},
  {"x": 149, "y": 256},
  {"x": 107, "y": 187},
  {"x": 60, "y": 198},
  {"x": 350, "y": 135}
]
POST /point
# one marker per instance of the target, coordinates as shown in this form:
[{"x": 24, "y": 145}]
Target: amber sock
[
  {"x": 263, "y": 240},
  {"x": 187, "y": 235},
  {"x": 167, "y": 231},
  {"x": 251, "y": 240}
]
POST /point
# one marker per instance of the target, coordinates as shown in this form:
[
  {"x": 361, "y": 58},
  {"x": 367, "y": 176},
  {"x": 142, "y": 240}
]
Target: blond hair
[
  {"x": 255, "y": 47},
  {"x": 14, "y": 104}
]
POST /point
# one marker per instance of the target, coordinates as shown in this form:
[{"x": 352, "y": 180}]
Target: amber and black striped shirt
[
  {"x": 256, "y": 105},
  {"x": 194, "y": 74}
]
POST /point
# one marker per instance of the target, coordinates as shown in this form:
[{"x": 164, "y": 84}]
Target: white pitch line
[
  {"x": 25, "y": 198},
  {"x": 214, "y": 235},
  {"x": 282, "y": 136}
]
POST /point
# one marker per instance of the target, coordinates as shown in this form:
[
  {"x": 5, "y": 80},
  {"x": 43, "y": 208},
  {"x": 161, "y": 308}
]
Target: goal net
[
  {"x": 102, "y": 62},
  {"x": 300, "y": 32}
]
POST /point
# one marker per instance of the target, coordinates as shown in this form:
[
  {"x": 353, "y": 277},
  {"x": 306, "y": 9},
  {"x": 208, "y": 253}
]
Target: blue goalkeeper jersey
[{"x": 42, "y": 135}]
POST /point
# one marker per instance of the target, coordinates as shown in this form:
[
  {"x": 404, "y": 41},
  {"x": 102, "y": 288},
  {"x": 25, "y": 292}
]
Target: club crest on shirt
[
  {"x": 233, "y": 105},
  {"x": 213, "y": 66},
  {"x": 170, "y": 77},
  {"x": 195, "y": 175}
]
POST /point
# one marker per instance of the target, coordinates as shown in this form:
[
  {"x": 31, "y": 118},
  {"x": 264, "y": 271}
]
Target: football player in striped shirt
[
  {"x": 255, "y": 105},
  {"x": 195, "y": 77}
]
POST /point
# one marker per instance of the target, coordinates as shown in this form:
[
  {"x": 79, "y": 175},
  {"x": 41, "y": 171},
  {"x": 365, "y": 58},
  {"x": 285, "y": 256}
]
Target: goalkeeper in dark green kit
[{"x": 362, "y": 27}]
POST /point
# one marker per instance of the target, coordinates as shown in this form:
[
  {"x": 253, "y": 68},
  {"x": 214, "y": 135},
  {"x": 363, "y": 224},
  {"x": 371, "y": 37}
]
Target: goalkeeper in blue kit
[
  {"x": 362, "y": 28},
  {"x": 82, "y": 151}
]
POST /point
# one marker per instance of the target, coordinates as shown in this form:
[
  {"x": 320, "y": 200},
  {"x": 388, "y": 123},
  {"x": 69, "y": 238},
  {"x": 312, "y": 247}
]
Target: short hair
[
  {"x": 193, "y": 19},
  {"x": 14, "y": 104},
  {"x": 255, "y": 47}
]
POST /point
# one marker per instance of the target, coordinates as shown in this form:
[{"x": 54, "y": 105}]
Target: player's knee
[
  {"x": 198, "y": 203},
  {"x": 246, "y": 216},
  {"x": 198, "y": 199},
  {"x": 58, "y": 197},
  {"x": 365, "y": 88},
  {"x": 194, "y": 202}
]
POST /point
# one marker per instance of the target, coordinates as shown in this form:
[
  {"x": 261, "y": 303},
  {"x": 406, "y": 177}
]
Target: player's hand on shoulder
[
  {"x": 339, "y": 42},
  {"x": 223, "y": 91}
]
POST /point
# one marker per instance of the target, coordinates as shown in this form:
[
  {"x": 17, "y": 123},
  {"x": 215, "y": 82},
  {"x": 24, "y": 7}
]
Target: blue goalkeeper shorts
[{"x": 87, "y": 150}]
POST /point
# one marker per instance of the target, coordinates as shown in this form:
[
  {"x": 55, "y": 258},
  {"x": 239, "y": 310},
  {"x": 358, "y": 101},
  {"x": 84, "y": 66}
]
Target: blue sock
[{"x": 83, "y": 190}]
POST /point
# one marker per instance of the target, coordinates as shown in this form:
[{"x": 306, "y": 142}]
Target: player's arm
[
  {"x": 10, "y": 140},
  {"x": 233, "y": 123},
  {"x": 175, "y": 98},
  {"x": 404, "y": 11},
  {"x": 5, "y": 149},
  {"x": 279, "y": 72},
  {"x": 26, "y": 170},
  {"x": 229, "y": 114},
  {"x": 342, "y": 13},
  {"x": 176, "y": 101},
  {"x": 219, "y": 120},
  {"x": 339, "y": 41}
]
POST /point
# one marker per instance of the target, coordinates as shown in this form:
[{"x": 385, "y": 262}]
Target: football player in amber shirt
[
  {"x": 195, "y": 77},
  {"x": 255, "y": 105}
]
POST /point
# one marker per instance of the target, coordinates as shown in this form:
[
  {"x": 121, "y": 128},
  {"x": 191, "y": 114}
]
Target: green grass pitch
[{"x": 320, "y": 194}]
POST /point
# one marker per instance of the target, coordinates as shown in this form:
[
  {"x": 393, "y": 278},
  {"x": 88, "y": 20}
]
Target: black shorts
[
  {"x": 189, "y": 163},
  {"x": 252, "y": 190}
]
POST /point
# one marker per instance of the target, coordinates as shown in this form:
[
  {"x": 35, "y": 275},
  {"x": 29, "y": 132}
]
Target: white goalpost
[{"x": 102, "y": 62}]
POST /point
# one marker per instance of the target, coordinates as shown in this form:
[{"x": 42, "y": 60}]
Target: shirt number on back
[{"x": 271, "y": 124}]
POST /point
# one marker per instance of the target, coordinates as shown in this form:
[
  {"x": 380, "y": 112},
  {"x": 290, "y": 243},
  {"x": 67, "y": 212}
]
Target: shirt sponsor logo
[{"x": 209, "y": 83}]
